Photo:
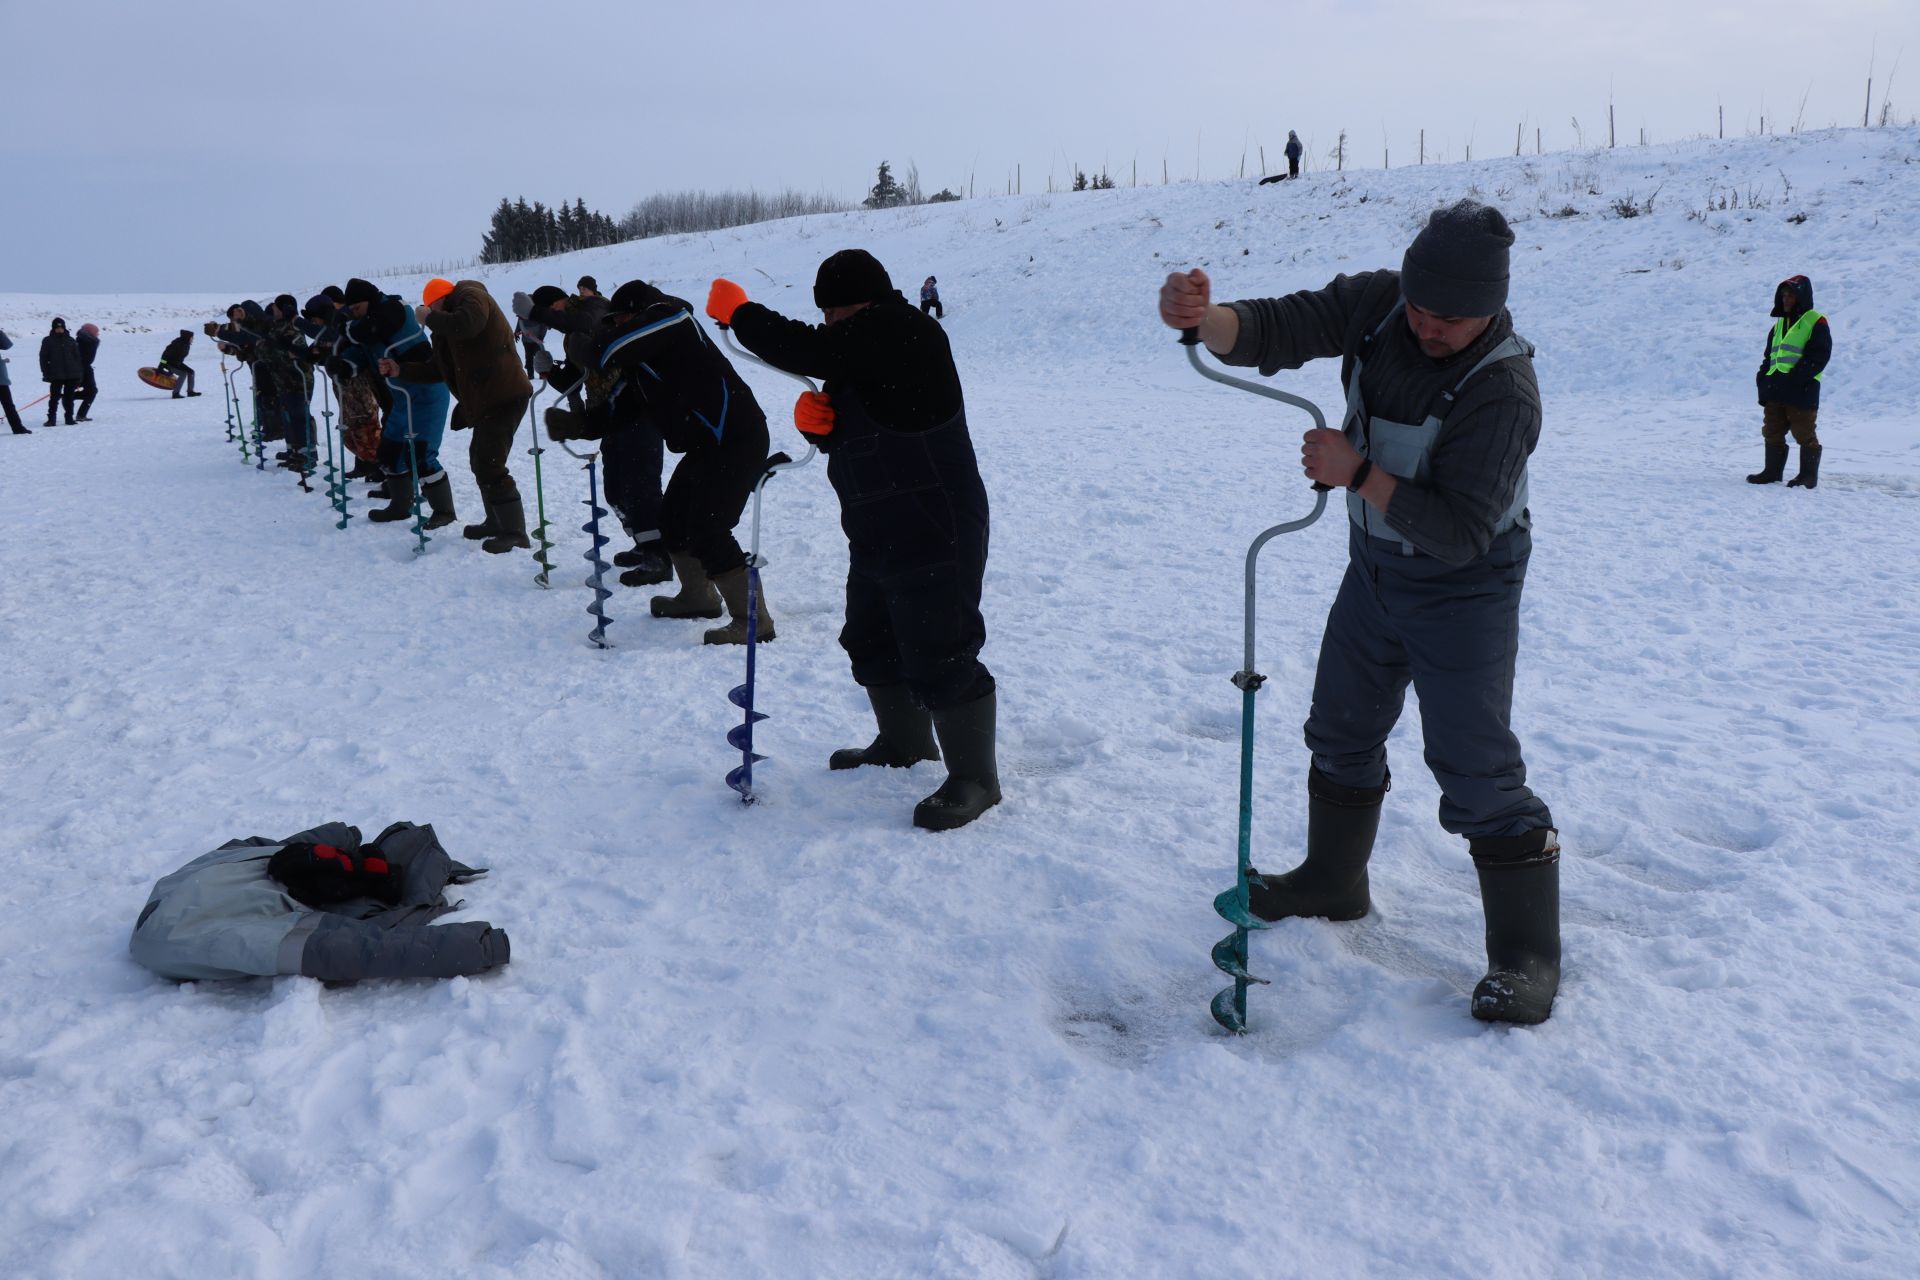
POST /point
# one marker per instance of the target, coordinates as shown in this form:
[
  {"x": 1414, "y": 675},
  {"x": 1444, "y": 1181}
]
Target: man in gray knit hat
[{"x": 1442, "y": 412}]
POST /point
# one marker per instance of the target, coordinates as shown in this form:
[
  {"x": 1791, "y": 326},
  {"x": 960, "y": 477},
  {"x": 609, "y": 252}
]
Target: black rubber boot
[
  {"x": 398, "y": 491},
  {"x": 1775, "y": 468},
  {"x": 972, "y": 787},
  {"x": 1332, "y": 883},
  {"x": 647, "y": 565},
  {"x": 696, "y": 597},
  {"x": 509, "y": 515},
  {"x": 732, "y": 586},
  {"x": 489, "y": 526},
  {"x": 1520, "y": 893},
  {"x": 438, "y": 494},
  {"x": 1809, "y": 477},
  {"x": 905, "y": 737}
]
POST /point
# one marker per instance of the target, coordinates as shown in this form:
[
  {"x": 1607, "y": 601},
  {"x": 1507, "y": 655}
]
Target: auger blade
[
  {"x": 741, "y": 780},
  {"x": 1227, "y": 905},
  {"x": 740, "y": 738},
  {"x": 1226, "y": 958},
  {"x": 1228, "y": 1008}
]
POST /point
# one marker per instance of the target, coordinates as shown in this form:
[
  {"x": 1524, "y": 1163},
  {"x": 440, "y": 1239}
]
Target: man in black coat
[
  {"x": 654, "y": 372},
  {"x": 174, "y": 361},
  {"x": 915, "y": 514},
  {"x": 60, "y": 368},
  {"x": 88, "y": 340}
]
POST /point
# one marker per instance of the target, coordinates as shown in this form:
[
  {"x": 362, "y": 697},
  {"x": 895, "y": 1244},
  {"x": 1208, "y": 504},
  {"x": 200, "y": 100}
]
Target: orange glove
[
  {"x": 723, "y": 299},
  {"x": 813, "y": 414}
]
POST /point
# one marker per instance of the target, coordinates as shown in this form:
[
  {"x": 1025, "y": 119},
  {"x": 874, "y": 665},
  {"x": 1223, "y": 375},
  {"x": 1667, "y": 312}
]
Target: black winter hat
[
  {"x": 318, "y": 307},
  {"x": 359, "y": 290},
  {"x": 850, "y": 277},
  {"x": 634, "y": 295},
  {"x": 1457, "y": 265},
  {"x": 186, "y": 333},
  {"x": 548, "y": 294},
  {"x": 587, "y": 282},
  {"x": 335, "y": 292},
  {"x": 289, "y": 307}
]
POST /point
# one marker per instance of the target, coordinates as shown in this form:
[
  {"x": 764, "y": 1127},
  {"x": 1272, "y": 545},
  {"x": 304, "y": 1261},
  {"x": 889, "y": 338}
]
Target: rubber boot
[
  {"x": 398, "y": 492},
  {"x": 438, "y": 494},
  {"x": 1520, "y": 893},
  {"x": 637, "y": 554},
  {"x": 732, "y": 586},
  {"x": 488, "y": 527},
  {"x": 905, "y": 737},
  {"x": 510, "y": 524},
  {"x": 363, "y": 470},
  {"x": 972, "y": 787},
  {"x": 1776, "y": 466},
  {"x": 1809, "y": 477},
  {"x": 1332, "y": 883},
  {"x": 696, "y": 597},
  {"x": 647, "y": 565}
]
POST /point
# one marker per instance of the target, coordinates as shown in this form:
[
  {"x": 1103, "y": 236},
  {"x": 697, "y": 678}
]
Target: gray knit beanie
[{"x": 1457, "y": 265}]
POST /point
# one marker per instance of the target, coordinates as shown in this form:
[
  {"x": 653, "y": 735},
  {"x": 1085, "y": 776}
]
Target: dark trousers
[
  {"x": 703, "y": 503},
  {"x": 183, "y": 375},
  {"x": 492, "y": 442},
  {"x": 13, "y": 414},
  {"x": 922, "y": 627},
  {"x": 634, "y": 458},
  {"x": 89, "y": 390},
  {"x": 933, "y": 305},
  {"x": 1293, "y": 166},
  {"x": 59, "y": 393},
  {"x": 1452, "y": 633}
]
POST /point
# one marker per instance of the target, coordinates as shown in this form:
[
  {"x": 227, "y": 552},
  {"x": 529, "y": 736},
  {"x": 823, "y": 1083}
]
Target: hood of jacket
[{"x": 1797, "y": 293}]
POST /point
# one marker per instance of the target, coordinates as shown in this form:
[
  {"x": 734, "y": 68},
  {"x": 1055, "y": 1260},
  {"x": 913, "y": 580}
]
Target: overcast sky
[{"x": 273, "y": 145}]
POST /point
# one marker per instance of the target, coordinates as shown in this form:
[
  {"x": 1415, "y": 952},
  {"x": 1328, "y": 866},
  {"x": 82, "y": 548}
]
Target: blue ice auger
[
  {"x": 740, "y": 737},
  {"x": 541, "y": 543},
  {"x": 595, "y": 581},
  {"x": 1230, "y": 953}
]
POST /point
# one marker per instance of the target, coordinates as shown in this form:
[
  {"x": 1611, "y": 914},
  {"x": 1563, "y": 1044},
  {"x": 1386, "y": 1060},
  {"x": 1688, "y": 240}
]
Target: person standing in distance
[{"x": 1442, "y": 413}]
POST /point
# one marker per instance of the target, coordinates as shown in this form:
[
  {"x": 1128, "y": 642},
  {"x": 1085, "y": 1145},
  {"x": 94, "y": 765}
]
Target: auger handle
[{"x": 1190, "y": 339}]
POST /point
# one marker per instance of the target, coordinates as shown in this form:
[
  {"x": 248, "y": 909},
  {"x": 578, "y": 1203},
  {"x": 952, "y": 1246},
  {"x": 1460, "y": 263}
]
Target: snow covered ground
[{"x": 803, "y": 1039}]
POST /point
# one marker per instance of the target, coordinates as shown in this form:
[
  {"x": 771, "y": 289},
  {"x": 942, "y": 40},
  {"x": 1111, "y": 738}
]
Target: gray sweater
[{"x": 1482, "y": 451}]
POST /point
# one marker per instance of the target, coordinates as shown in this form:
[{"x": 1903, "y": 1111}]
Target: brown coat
[{"x": 474, "y": 345}]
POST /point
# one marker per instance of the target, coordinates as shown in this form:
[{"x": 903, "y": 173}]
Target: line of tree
[
  {"x": 520, "y": 230},
  {"x": 889, "y": 192},
  {"x": 677, "y": 212}
]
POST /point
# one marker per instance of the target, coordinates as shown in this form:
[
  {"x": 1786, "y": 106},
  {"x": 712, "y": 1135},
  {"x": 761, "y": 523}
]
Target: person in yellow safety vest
[{"x": 1798, "y": 348}]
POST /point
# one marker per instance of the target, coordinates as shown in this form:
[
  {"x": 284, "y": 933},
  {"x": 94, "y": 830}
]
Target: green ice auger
[
  {"x": 239, "y": 424},
  {"x": 259, "y": 428},
  {"x": 1230, "y": 953},
  {"x": 541, "y": 543},
  {"x": 226, "y": 390},
  {"x": 413, "y": 483}
]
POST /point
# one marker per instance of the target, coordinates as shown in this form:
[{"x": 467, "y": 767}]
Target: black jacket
[
  {"x": 657, "y": 366},
  {"x": 60, "y": 359},
  {"x": 900, "y": 457},
  {"x": 1793, "y": 298},
  {"x": 89, "y": 347},
  {"x": 177, "y": 349}
]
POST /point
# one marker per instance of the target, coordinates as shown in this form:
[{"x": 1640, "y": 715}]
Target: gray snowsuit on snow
[
  {"x": 223, "y": 916},
  {"x": 1431, "y": 595}
]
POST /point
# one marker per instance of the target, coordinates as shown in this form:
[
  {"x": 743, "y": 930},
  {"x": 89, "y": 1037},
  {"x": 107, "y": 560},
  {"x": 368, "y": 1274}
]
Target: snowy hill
[{"x": 803, "y": 1039}]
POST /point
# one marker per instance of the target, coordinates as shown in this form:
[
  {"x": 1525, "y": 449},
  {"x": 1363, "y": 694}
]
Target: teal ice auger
[
  {"x": 336, "y": 476},
  {"x": 259, "y": 428},
  {"x": 226, "y": 389},
  {"x": 1230, "y": 953},
  {"x": 237, "y": 423},
  {"x": 740, "y": 737}
]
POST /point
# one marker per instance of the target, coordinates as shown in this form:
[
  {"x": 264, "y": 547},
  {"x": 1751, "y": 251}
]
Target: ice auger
[
  {"x": 1230, "y": 953},
  {"x": 236, "y": 419},
  {"x": 740, "y": 737},
  {"x": 226, "y": 388},
  {"x": 597, "y": 580},
  {"x": 541, "y": 543},
  {"x": 336, "y": 476}
]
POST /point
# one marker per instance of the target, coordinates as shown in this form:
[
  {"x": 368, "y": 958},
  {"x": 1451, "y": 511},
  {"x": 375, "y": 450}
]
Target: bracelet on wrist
[{"x": 1360, "y": 474}]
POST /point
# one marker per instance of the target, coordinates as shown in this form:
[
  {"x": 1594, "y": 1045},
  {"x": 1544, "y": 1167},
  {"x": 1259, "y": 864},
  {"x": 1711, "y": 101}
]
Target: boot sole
[
  {"x": 705, "y": 615},
  {"x": 948, "y": 819}
]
